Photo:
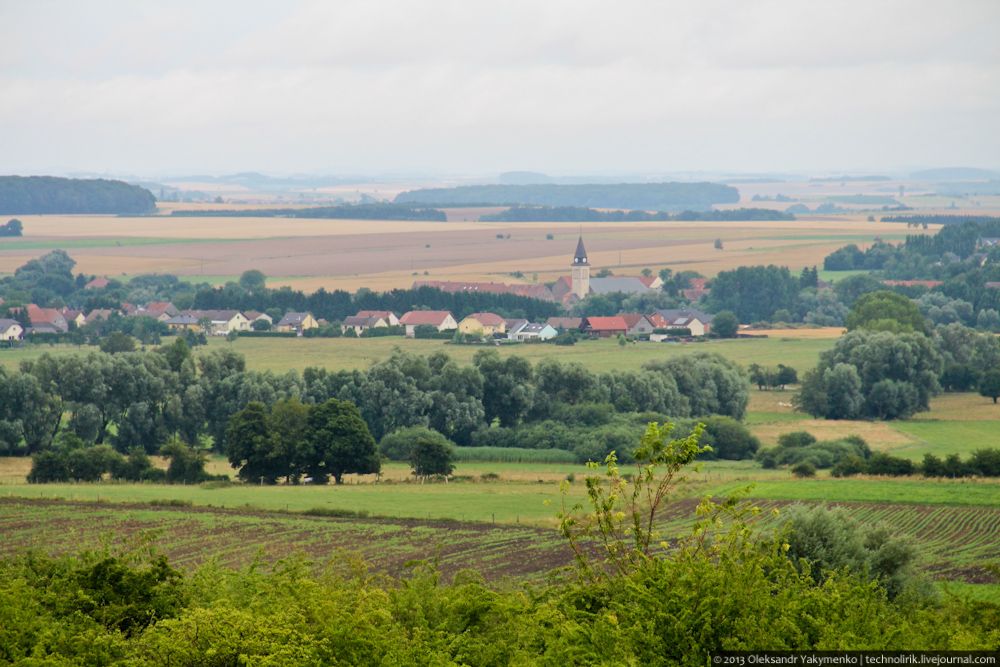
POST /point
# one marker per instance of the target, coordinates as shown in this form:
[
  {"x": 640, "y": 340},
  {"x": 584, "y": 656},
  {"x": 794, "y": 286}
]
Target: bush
[
  {"x": 804, "y": 469},
  {"x": 729, "y": 439},
  {"x": 398, "y": 445},
  {"x": 823, "y": 541}
]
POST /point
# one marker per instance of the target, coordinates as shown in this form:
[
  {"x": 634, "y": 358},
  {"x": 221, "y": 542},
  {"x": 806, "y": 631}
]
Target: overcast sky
[{"x": 470, "y": 87}]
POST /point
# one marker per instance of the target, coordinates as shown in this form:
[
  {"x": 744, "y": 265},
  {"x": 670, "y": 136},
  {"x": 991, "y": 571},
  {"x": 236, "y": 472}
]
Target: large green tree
[
  {"x": 250, "y": 446},
  {"x": 338, "y": 442},
  {"x": 886, "y": 311}
]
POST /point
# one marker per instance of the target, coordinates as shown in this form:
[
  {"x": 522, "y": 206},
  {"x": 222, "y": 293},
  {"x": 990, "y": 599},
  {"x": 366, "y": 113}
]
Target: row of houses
[
  {"x": 214, "y": 322},
  {"x": 493, "y": 325}
]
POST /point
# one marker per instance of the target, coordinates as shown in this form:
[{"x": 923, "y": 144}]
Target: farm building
[
  {"x": 182, "y": 323},
  {"x": 441, "y": 320}
]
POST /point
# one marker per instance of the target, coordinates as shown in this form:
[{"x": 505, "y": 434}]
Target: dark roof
[
  {"x": 580, "y": 257},
  {"x": 360, "y": 321},
  {"x": 623, "y": 284},
  {"x": 292, "y": 319},
  {"x": 682, "y": 316},
  {"x": 7, "y": 324}
]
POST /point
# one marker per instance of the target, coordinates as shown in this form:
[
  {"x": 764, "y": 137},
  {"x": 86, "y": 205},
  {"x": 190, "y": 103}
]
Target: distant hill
[
  {"x": 376, "y": 211},
  {"x": 49, "y": 194},
  {"x": 954, "y": 174},
  {"x": 580, "y": 214},
  {"x": 641, "y": 196},
  {"x": 524, "y": 178}
]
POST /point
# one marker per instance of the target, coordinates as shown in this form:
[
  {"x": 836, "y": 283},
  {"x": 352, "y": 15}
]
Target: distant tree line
[
  {"x": 927, "y": 219},
  {"x": 342, "y": 212},
  {"x": 583, "y": 214},
  {"x": 637, "y": 196},
  {"x": 49, "y": 194},
  {"x": 144, "y": 399}
]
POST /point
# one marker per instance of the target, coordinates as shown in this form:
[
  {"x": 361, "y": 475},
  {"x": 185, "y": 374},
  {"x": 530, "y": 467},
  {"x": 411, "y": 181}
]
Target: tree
[
  {"x": 753, "y": 293},
  {"x": 432, "y": 456},
  {"x": 250, "y": 446},
  {"x": 717, "y": 244},
  {"x": 886, "y": 311},
  {"x": 118, "y": 342},
  {"x": 253, "y": 281},
  {"x": 13, "y": 227},
  {"x": 989, "y": 386},
  {"x": 507, "y": 390},
  {"x": 725, "y": 324},
  {"x": 338, "y": 442},
  {"x": 187, "y": 465}
]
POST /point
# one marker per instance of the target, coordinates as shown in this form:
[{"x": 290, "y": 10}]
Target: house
[
  {"x": 387, "y": 315},
  {"x": 513, "y": 326},
  {"x": 482, "y": 324},
  {"x": 441, "y": 320},
  {"x": 697, "y": 288},
  {"x": 652, "y": 282},
  {"x": 638, "y": 324},
  {"x": 535, "y": 331},
  {"x": 605, "y": 327},
  {"x": 161, "y": 311},
  {"x": 10, "y": 331},
  {"x": 255, "y": 316},
  {"x": 42, "y": 319},
  {"x": 76, "y": 317},
  {"x": 183, "y": 323},
  {"x": 360, "y": 323},
  {"x": 565, "y": 323},
  {"x": 98, "y": 314},
  {"x": 97, "y": 283},
  {"x": 218, "y": 322},
  {"x": 686, "y": 318},
  {"x": 297, "y": 322}
]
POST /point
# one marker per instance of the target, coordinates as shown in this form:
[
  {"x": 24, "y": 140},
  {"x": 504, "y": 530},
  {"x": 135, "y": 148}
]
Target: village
[{"x": 38, "y": 323}]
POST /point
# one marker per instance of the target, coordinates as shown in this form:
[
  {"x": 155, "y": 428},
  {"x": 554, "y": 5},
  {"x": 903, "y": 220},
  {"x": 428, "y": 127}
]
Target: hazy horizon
[{"x": 384, "y": 87}]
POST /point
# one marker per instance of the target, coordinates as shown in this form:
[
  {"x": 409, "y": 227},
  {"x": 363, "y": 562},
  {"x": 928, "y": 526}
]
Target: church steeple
[
  {"x": 581, "y": 253},
  {"x": 580, "y": 285}
]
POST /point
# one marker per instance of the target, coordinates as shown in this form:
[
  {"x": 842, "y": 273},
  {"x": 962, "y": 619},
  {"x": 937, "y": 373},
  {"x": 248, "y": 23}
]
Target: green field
[
  {"x": 282, "y": 354},
  {"x": 945, "y": 437}
]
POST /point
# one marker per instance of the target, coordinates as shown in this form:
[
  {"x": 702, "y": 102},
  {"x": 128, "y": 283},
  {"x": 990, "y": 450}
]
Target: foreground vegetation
[{"x": 635, "y": 598}]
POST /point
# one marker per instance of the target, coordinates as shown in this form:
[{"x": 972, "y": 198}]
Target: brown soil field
[
  {"x": 190, "y": 536},
  {"x": 349, "y": 254},
  {"x": 956, "y": 542}
]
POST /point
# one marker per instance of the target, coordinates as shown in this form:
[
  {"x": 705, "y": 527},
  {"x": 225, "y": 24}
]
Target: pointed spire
[{"x": 581, "y": 253}]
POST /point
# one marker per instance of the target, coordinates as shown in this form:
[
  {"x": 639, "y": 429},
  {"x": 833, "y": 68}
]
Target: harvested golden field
[
  {"x": 798, "y": 334},
  {"x": 349, "y": 254}
]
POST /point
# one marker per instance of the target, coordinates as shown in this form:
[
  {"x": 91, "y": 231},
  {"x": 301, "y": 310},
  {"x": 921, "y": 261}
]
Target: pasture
[
  {"x": 282, "y": 354},
  {"x": 349, "y": 254}
]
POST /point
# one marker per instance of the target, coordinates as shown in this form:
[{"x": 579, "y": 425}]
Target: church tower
[{"x": 581, "y": 271}]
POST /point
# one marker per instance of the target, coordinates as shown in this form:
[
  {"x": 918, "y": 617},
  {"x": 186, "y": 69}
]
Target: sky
[{"x": 467, "y": 87}]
